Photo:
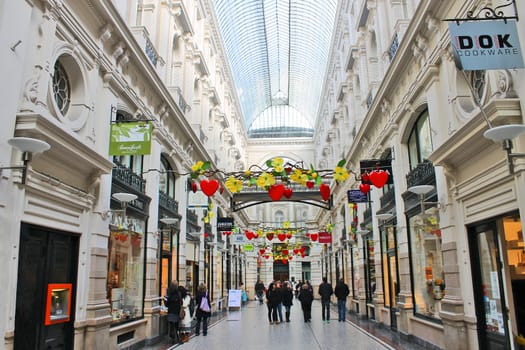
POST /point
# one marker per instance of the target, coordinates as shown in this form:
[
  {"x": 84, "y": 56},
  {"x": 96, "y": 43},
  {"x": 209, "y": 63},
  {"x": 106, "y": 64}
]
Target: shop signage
[
  {"x": 480, "y": 45},
  {"x": 325, "y": 237},
  {"x": 356, "y": 196},
  {"x": 238, "y": 239},
  {"x": 224, "y": 224},
  {"x": 130, "y": 138},
  {"x": 247, "y": 248},
  {"x": 234, "y": 298}
]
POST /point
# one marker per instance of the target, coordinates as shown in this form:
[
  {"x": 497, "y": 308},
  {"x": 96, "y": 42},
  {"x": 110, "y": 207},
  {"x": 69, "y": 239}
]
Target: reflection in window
[
  {"x": 125, "y": 271},
  {"x": 420, "y": 141},
  {"x": 427, "y": 261},
  {"x": 166, "y": 178}
]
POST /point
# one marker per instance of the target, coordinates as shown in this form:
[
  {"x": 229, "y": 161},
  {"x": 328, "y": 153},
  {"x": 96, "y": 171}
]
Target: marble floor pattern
[{"x": 249, "y": 329}]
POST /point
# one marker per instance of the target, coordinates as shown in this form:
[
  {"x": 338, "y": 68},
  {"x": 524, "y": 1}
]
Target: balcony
[
  {"x": 179, "y": 99},
  {"x": 168, "y": 203},
  {"x": 393, "y": 47},
  {"x": 422, "y": 174},
  {"x": 142, "y": 36},
  {"x": 127, "y": 177}
]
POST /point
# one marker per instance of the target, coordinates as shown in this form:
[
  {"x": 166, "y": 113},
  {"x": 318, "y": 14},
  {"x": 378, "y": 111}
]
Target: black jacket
[
  {"x": 306, "y": 296},
  {"x": 173, "y": 302},
  {"x": 287, "y": 294},
  {"x": 325, "y": 291},
  {"x": 275, "y": 296},
  {"x": 341, "y": 290},
  {"x": 198, "y": 300}
]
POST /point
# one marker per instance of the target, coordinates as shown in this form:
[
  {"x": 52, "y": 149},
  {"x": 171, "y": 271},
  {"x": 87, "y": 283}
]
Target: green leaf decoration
[
  {"x": 318, "y": 180},
  {"x": 269, "y": 163},
  {"x": 206, "y": 165},
  {"x": 341, "y": 162}
]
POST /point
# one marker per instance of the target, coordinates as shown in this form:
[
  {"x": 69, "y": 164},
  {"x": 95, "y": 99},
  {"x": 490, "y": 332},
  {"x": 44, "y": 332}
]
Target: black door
[
  {"x": 46, "y": 256},
  {"x": 488, "y": 287}
]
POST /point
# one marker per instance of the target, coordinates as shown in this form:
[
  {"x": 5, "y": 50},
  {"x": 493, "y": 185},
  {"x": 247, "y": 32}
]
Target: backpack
[{"x": 204, "y": 306}]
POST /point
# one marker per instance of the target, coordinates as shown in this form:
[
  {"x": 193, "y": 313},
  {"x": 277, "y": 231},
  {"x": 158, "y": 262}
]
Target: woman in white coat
[{"x": 185, "y": 323}]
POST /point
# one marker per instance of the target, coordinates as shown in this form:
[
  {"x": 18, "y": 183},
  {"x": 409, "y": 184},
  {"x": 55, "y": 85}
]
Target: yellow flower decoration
[
  {"x": 340, "y": 174},
  {"x": 265, "y": 180},
  {"x": 277, "y": 164},
  {"x": 233, "y": 185},
  {"x": 286, "y": 224},
  {"x": 197, "y": 166},
  {"x": 296, "y": 176},
  {"x": 329, "y": 227}
]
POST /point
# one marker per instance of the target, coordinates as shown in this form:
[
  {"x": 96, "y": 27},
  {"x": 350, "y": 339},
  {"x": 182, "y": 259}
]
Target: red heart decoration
[
  {"x": 269, "y": 235},
  {"x": 302, "y": 255},
  {"x": 378, "y": 178},
  {"x": 262, "y": 250},
  {"x": 289, "y": 235},
  {"x": 209, "y": 187},
  {"x": 281, "y": 236},
  {"x": 288, "y": 192},
  {"x": 313, "y": 236},
  {"x": 365, "y": 188},
  {"x": 266, "y": 256},
  {"x": 194, "y": 187},
  {"x": 310, "y": 184},
  {"x": 303, "y": 249},
  {"x": 276, "y": 192},
  {"x": 285, "y": 251},
  {"x": 325, "y": 191},
  {"x": 285, "y": 261},
  {"x": 364, "y": 177},
  {"x": 290, "y": 258},
  {"x": 248, "y": 234}
]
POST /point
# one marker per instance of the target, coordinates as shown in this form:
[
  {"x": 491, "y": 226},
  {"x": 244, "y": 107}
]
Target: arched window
[
  {"x": 167, "y": 178},
  {"x": 420, "y": 141},
  {"x": 279, "y": 218}
]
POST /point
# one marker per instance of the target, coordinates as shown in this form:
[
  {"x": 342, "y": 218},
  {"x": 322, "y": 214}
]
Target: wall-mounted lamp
[
  {"x": 421, "y": 191},
  {"x": 384, "y": 216},
  {"x": 169, "y": 221},
  {"x": 505, "y": 134},
  {"x": 124, "y": 199},
  {"x": 28, "y": 146}
]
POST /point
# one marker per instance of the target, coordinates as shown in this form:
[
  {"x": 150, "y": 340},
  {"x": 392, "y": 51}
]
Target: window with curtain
[{"x": 420, "y": 140}]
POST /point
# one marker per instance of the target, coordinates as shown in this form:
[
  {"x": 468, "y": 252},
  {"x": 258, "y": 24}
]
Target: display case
[{"x": 58, "y": 303}]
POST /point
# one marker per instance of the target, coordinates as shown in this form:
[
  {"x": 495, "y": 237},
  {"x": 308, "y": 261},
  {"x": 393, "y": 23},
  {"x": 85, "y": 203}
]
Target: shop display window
[
  {"x": 126, "y": 270},
  {"x": 427, "y": 263},
  {"x": 58, "y": 303}
]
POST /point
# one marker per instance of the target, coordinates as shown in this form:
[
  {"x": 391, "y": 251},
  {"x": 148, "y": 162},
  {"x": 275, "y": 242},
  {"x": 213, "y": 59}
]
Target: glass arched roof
[{"x": 278, "y": 51}]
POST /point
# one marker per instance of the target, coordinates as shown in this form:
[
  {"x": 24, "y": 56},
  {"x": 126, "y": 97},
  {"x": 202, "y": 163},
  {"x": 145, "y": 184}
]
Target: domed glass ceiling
[{"x": 278, "y": 50}]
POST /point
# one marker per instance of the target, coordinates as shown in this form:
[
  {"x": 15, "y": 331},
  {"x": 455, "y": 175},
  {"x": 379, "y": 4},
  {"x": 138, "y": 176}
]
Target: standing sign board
[{"x": 481, "y": 45}]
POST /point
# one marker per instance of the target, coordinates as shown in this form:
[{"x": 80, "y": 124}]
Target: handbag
[
  {"x": 204, "y": 306},
  {"x": 182, "y": 314}
]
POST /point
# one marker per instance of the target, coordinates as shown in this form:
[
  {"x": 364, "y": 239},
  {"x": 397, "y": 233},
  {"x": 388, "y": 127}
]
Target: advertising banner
[
  {"x": 480, "y": 45},
  {"x": 325, "y": 237},
  {"x": 130, "y": 138},
  {"x": 224, "y": 224}
]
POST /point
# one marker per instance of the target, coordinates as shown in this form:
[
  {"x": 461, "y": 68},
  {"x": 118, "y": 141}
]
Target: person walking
[
  {"x": 306, "y": 297},
  {"x": 259, "y": 291},
  {"x": 269, "y": 291},
  {"x": 287, "y": 296},
  {"x": 325, "y": 291},
  {"x": 279, "y": 296},
  {"x": 173, "y": 302},
  {"x": 185, "y": 316},
  {"x": 341, "y": 292},
  {"x": 203, "y": 309}
]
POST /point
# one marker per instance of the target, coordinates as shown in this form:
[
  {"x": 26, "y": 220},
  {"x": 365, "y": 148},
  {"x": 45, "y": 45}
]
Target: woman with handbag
[
  {"x": 184, "y": 315},
  {"x": 203, "y": 310}
]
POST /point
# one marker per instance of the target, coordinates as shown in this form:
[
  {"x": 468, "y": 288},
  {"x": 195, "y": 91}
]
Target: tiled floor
[{"x": 249, "y": 329}]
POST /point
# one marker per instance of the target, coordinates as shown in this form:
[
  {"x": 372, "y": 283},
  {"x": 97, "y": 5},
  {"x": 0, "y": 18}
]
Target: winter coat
[
  {"x": 186, "y": 321},
  {"x": 287, "y": 295},
  {"x": 341, "y": 291},
  {"x": 275, "y": 296},
  {"x": 173, "y": 302},
  {"x": 325, "y": 291},
  {"x": 306, "y": 297}
]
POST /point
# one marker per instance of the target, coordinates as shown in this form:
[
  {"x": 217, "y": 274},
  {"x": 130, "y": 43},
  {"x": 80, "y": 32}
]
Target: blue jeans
[
  {"x": 280, "y": 311},
  {"x": 204, "y": 319},
  {"x": 325, "y": 304},
  {"x": 341, "y": 309}
]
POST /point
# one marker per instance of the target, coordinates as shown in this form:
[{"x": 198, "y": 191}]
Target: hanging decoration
[{"x": 276, "y": 178}]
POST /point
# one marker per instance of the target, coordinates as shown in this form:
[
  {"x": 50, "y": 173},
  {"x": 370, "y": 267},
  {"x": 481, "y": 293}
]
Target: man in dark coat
[
  {"x": 325, "y": 291},
  {"x": 341, "y": 292}
]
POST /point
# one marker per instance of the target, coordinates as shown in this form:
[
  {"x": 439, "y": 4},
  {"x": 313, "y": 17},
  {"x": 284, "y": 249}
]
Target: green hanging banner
[{"x": 130, "y": 138}]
